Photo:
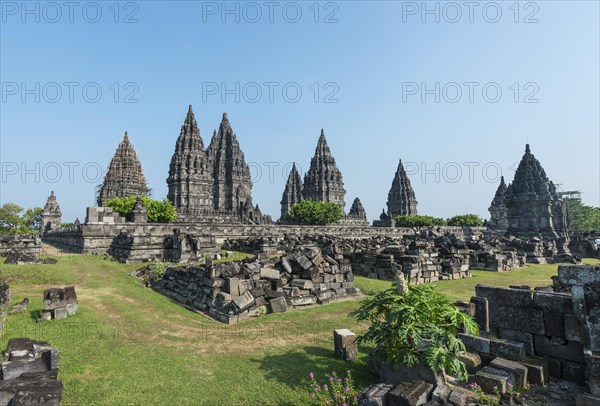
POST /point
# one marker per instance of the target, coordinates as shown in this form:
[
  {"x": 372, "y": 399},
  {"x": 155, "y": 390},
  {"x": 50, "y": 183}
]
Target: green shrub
[
  {"x": 419, "y": 221},
  {"x": 417, "y": 326},
  {"x": 309, "y": 212},
  {"x": 466, "y": 220},
  {"x": 158, "y": 211}
]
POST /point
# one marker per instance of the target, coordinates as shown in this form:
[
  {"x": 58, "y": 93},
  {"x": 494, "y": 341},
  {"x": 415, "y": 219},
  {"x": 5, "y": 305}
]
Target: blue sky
[{"x": 379, "y": 67}]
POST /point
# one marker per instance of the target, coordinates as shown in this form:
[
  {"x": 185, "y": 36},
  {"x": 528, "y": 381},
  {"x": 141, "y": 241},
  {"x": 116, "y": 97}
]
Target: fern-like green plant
[{"x": 419, "y": 325}]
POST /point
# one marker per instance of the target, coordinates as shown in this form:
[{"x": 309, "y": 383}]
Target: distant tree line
[{"x": 15, "y": 219}]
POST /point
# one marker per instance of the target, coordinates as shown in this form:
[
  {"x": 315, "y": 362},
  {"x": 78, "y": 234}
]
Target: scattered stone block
[
  {"x": 570, "y": 351},
  {"x": 302, "y": 300},
  {"x": 410, "y": 393},
  {"x": 512, "y": 350},
  {"x": 518, "y": 370},
  {"x": 472, "y": 361},
  {"x": 302, "y": 284},
  {"x": 278, "y": 305},
  {"x": 474, "y": 343},
  {"x": 375, "y": 395},
  {"x": 345, "y": 345},
  {"x": 488, "y": 377},
  {"x": 519, "y": 336},
  {"x": 269, "y": 273},
  {"x": 537, "y": 370}
]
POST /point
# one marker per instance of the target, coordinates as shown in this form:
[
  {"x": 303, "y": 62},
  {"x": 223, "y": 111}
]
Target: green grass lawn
[{"x": 128, "y": 345}]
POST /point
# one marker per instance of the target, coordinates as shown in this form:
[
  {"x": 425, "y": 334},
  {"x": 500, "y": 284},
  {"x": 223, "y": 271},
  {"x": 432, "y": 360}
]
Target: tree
[
  {"x": 10, "y": 220},
  {"x": 309, "y": 212},
  {"x": 418, "y": 221},
  {"x": 32, "y": 219},
  {"x": 158, "y": 211},
  {"x": 466, "y": 220},
  {"x": 581, "y": 216},
  {"x": 414, "y": 325}
]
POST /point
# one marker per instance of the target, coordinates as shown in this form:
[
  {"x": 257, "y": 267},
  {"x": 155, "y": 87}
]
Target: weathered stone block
[
  {"x": 517, "y": 318},
  {"x": 518, "y": 370},
  {"x": 59, "y": 313},
  {"x": 585, "y": 399},
  {"x": 571, "y": 351},
  {"x": 375, "y": 395},
  {"x": 513, "y": 335},
  {"x": 593, "y": 372},
  {"x": 482, "y": 315},
  {"x": 410, "y": 393},
  {"x": 554, "y": 323},
  {"x": 269, "y": 273},
  {"x": 477, "y": 344},
  {"x": 458, "y": 398},
  {"x": 573, "y": 372},
  {"x": 302, "y": 284},
  {"x": 71, "y": 308},
  {"x": 488, "y": 377},
  {"x": 472, "y": 361},
  {"x": 302, "y": 300},
  {"x": 505, "y": 296},
  {"x": 345, "y": 346},
  {"x": 512, "y": 350},
  {"x": 558, "y": 302},
  {"x": 537, "y": 370},
  {"x": 573, "y": 330},
  {"x": 243, "y": 302},
  {"x": 278, "y": 305}
]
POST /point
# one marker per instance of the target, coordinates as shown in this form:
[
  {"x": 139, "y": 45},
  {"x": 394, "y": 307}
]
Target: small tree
[
  {"x": 10, "y": 220},
  {"x": 158, "y": 211},
  {"x": 416, "y": 324},
  {"x": 581, "y": 216},
  {"x": 309, "y": 212},
  {"x": 418, "y": 221},
  {"x": 32, "y": 219},
  {"x": 466, "y": 220}
]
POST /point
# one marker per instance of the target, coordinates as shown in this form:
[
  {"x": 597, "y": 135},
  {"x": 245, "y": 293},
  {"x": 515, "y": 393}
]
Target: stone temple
[
  {"x": 533, "y": 207},
  {"x": 323, "y": 182},
  {"x": 401, "y": 198},
  {"x": 212, "y": 183},
  {"x": 51, "y": 214},
  {"x": 498, "y": 220},
  {"x": 292, "y": 193},
  {"x": 124, "y": 176}
]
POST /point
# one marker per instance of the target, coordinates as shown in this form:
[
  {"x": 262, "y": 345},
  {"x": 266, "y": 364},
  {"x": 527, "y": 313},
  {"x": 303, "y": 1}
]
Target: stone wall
[{"x": 544, "y": 327}]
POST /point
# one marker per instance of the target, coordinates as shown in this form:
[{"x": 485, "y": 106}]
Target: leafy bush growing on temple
[
  {"x": 416, "y": 326},
  {"x": 159, "y": 211},
  {"x": 466, "y": 220},
  {"x": 315, "y": 213},
  {"x": 418, "y": 221}
]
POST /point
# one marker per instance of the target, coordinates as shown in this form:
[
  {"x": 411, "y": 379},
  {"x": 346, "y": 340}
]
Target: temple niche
[
  {"x": 124, "y": 176},
  {"x": 498, "y": 219},
  {"x": 401, "y": 197},
  {"x": 533, "y": 206},
  {"x": 323, "y": 182}
]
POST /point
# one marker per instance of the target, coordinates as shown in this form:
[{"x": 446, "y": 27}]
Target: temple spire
[
  {"x": 401, "y": 197},
  {"x": 292, "y": 193}
]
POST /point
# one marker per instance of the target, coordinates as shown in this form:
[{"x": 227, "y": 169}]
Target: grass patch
[{"x": 129, "y": 345}]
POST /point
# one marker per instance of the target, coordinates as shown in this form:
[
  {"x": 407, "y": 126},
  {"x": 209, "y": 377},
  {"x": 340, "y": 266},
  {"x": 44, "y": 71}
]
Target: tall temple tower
[
  {"x": 190, "y": 175},
  {"x": 292, "y": 193},
  {"x": 323, "y": 181},
  {"x": 401, "y": 197},
  {"x": 357, "y": 210},
  {"x": 124, "y": 176},
  {"x": 532, "y": 203},
  {"x": 51, "y": 215},
  {"x": 497, "y": 209},
  {"x": 232, "y": 184}
]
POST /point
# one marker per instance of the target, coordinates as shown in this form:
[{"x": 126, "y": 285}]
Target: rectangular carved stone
[
  {"x": 278, "y": 305},
  {"x": 513, "y": 335},
  {"x": 554, "y": 323},
  {"x": 489, "y": 377},
  {"x": 559, "y": 302},
  {"x": 375, "y": 395},
  {"x": 482, "y": 314},
  {"x": 572, "y": 328},
  {"x": 537, "y": 370},
  {"x": 517, "y": 318},
  {"x": 345, "y": 344},
  {"x": 571, "y": 351},
  {"x": 518, "y": 370},
  {"x": 478, "y": 344},
  {"x": 573, "y": 372},
  {"x": 505, "y": 296},
  {"x": 512, "y": 350},
  {"x": 410, "y": 393}
]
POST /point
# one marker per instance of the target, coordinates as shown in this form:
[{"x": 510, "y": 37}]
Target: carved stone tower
[
  {"x": 532, "y": 203},
  {"x": 401, "y": 197},
  {"x": 124, "y": 176},
  {"x": 51, "y": 215},
  {"x": 232, "y": 184},
  {"x": 190, "y": 175},
  {"x": 292, "y": 193},
  {"x": 497, "y": 209},
  {"x": 357, "y": 210},
  {"x": 323, "y": 181}
]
